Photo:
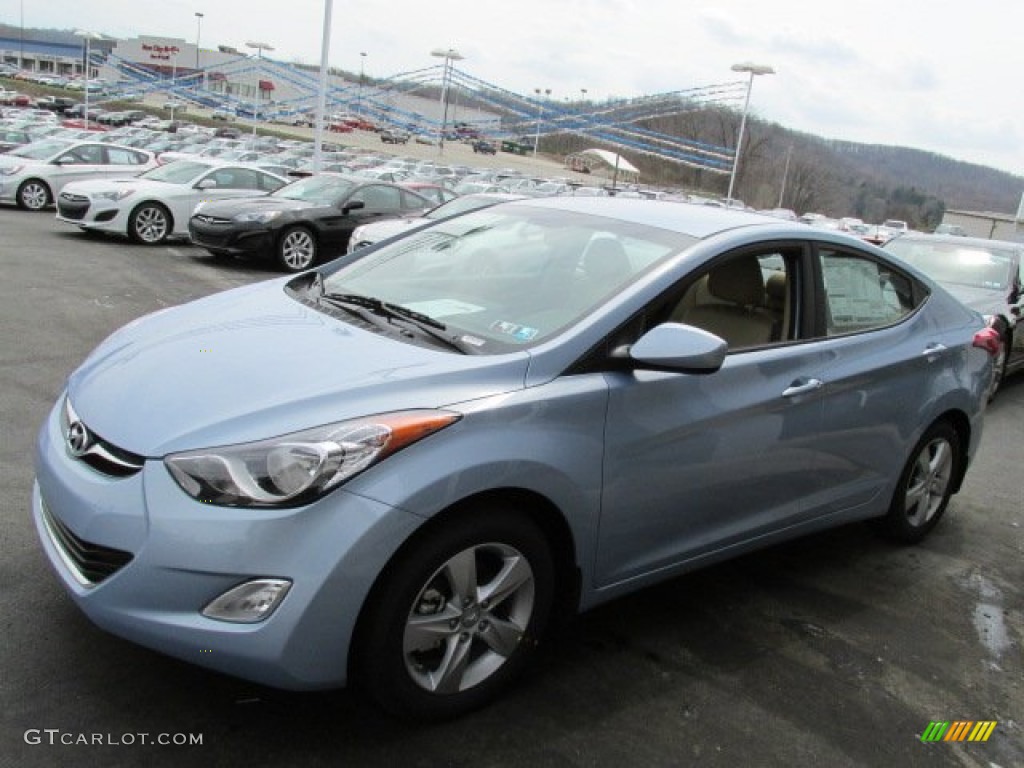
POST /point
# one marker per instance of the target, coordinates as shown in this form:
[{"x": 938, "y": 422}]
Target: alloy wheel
[
  {"x": 928, "y": 483},
  {"x": 298, "y": 250},
  {"x": 151, "y": 224},
  {"x": 34, "y": 195},
  {"x": 469, "y": 618}
]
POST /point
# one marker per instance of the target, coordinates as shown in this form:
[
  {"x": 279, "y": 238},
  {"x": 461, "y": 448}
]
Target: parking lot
[{"x": 836, "y": 650}]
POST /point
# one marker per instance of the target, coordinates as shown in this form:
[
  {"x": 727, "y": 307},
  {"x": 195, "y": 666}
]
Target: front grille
[
  {"x": 89, "y": 563},
  {"x": 72, "y": 206},
  {"x": 204, "y": 238},
  {"x": 87, "y": 446}
]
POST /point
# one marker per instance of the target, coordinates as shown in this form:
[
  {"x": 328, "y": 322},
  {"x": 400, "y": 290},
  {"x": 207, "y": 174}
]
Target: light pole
[
  {"x": 199, "y": 29},
  {"x": 88, "y": 55},
  {"x": 449, "y": 55},
  {"x": 785, "y": 175},
  {"x": 260, "y": 48},
  {"x": 174, "y": 76},
  {"x": 21, "y": 39},
  {"x": 362, "y": 70},
  {"x": 540, "y": 114},
  {"x": 321, "y": 96},
  {"x": 753, "y": 70}
]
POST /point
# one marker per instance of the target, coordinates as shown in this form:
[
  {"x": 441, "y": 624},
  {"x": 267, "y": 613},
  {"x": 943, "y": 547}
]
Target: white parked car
[
  {"x": 375, "y": 231},
  {"x": 157, "y": 205},
  {"x": 33, "y": 175}
]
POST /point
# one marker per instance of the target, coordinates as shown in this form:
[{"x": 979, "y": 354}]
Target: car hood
[
  {"x": 984, "y": 300},
  {"x": 9, "y": 161},
  {"x": 228, "y": 208},
  {"x": 253, "y": 363},
  {"x": 97, "y": 186}
]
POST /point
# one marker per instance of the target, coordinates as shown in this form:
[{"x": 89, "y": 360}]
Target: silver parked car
[
  {"x": 156, "y": 206},
  {"x": 986, "y": 275},
  {"x": 396, "y": 470},
  {"x": 33, "y": 175}
]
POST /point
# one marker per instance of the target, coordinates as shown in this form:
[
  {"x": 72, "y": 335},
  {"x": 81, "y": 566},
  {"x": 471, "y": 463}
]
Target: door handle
[
  {"x": 933, "y": 350},
  {"x": 802, "y": 387}
]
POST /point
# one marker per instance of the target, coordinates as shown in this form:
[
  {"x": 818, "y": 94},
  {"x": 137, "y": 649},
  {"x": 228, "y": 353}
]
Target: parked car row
[{"x": 236, "y": 201}]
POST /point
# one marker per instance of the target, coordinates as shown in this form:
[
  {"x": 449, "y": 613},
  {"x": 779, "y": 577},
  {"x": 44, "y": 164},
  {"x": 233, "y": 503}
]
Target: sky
[{"x": 896, "y": 72}]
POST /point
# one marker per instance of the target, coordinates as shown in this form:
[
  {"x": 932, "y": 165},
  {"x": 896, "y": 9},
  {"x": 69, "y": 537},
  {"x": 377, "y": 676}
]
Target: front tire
[
  {"x": 34, "y": 195},
  {"x": 297, "y": 249},
  {"x": 149, "y": 224},
  {"x": 925, "y": 485},
  {"x": 455, "y": 620}
]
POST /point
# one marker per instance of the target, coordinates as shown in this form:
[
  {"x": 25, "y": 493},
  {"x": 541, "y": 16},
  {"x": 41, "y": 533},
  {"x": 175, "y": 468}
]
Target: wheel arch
[
  {"x": 535, "y": 507},
  {"x": 962, "y": 425}
]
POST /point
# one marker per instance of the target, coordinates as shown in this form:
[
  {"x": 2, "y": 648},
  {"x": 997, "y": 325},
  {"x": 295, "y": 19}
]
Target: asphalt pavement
[{"x": 836, "y": 650}]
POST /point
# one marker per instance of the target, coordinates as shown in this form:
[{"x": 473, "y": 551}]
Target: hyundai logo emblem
[{"x": 79, "y": 440}]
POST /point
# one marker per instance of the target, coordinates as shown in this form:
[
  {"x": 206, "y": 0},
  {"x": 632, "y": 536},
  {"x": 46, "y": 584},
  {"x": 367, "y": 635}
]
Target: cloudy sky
[{"x": 901, "y": 72}]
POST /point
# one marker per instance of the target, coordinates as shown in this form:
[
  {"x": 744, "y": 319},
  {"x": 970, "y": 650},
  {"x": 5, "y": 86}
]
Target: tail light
[{"x": 988, "y": 339}]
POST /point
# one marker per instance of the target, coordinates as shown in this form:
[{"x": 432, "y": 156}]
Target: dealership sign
[{"x": 164, "y": 52}]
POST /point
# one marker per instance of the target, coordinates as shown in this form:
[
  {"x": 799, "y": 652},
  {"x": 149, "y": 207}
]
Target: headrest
[{"x": 738, "y": 281}]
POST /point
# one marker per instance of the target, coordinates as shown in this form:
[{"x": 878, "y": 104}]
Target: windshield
[
  {"x": 326, "y": 190},
  {"x": 41, "y": 150},
  {"x": 971, "y": 265},
  {"x": 178, "y": 172},
  {"x": 509, "y": 276}
]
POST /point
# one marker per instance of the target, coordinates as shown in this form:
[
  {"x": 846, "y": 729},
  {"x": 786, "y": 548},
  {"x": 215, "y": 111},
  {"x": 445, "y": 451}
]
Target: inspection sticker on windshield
[
  {"x": 520, "y": 332},
  {"x": 443, "y": 307}
]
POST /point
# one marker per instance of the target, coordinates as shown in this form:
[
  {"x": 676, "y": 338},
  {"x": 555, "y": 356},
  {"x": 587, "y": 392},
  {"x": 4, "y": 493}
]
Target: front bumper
[
  {"x": 176, "y": 555},
  {"x": 90, "y": 213},
  {"x": 231, "y": 238}
]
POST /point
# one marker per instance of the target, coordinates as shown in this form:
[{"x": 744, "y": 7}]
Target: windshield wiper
[{"x": 435, "y": 329}]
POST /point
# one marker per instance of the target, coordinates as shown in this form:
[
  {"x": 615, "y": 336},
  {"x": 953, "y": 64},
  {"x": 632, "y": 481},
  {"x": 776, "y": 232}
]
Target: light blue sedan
[{"x": 400, "y": 469}]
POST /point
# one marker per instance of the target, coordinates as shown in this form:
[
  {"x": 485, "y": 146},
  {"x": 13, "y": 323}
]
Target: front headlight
[
  {"x": 295, "y": 469},
  {"x": 261, "y": 217},
  {"x": 114, "y": 195},
  {"x": 10, "y": 170}
]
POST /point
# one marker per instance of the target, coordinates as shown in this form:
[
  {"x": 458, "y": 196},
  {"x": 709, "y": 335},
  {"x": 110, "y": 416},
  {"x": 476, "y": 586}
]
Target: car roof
[{"x": 697, "y": 221}]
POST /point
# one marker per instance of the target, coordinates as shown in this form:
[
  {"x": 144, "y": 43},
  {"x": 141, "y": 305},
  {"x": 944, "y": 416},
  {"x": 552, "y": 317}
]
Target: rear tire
[
  {"x": 456, "y": 619},
  {"x": 925, "y": 485}
]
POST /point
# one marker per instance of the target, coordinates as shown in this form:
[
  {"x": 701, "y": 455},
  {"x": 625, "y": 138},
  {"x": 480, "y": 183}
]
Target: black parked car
[
  {"x": 986, "y": 275},
  {"x": 304, "y": 222},
  {"x": 484, "y": 147},
  {"x": 394, "y": 137}
]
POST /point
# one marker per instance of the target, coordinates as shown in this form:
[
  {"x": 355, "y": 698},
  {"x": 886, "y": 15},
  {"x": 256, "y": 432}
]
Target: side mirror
[
  {"x": 676, "y": 348},
  {"x": 64, "y": 160},
  {"x": 207, "y": 184},
  {"x": 354, "y": 205}
]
